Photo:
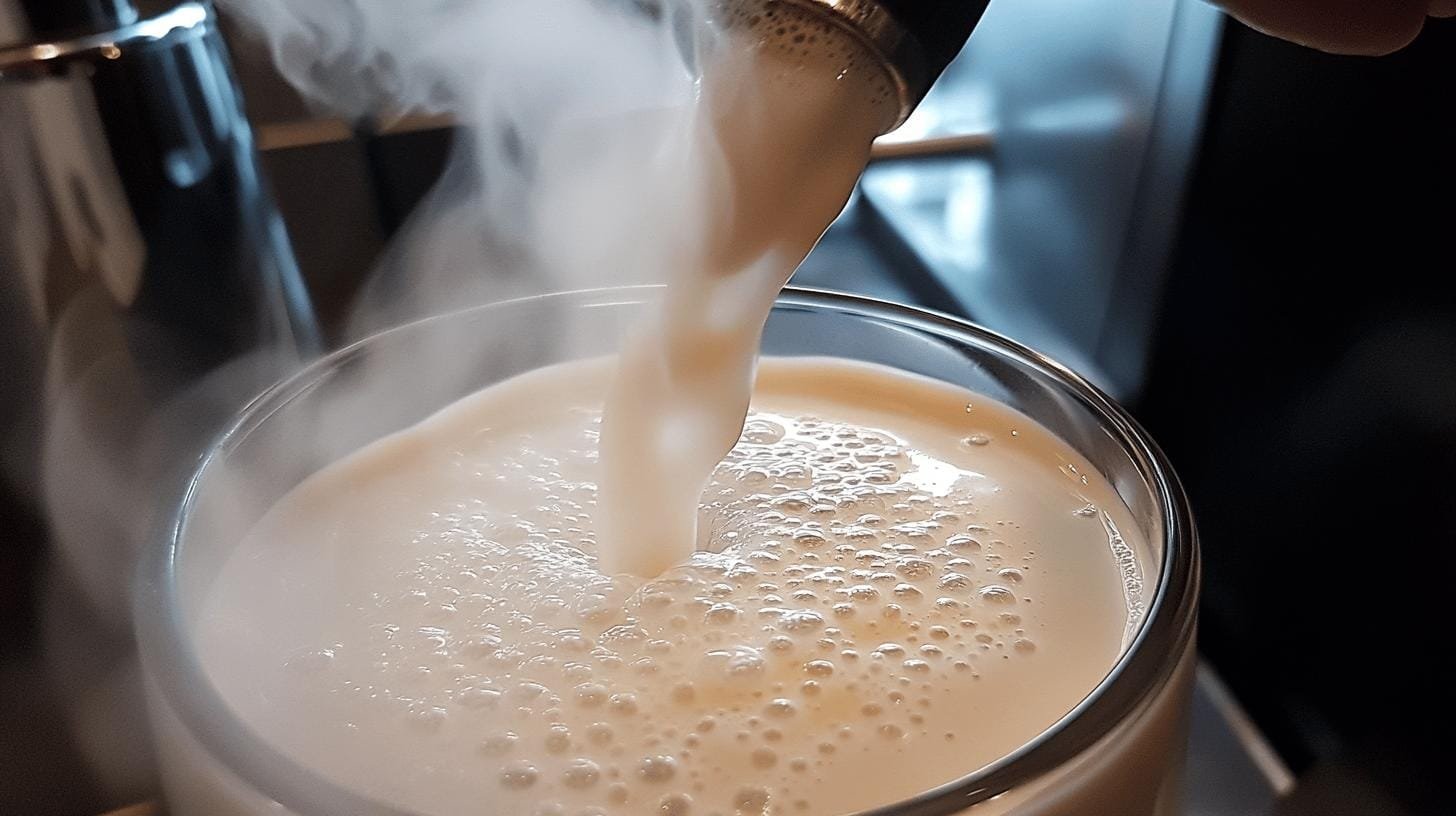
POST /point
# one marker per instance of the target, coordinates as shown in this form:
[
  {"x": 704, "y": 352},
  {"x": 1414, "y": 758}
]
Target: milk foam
[{"x": 896, "y": 582}]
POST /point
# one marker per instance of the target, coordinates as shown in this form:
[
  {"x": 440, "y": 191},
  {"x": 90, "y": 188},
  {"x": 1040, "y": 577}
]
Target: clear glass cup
[{"x": 1120, "y": 751}]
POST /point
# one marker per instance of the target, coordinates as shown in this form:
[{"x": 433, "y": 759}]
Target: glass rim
[{"x": 1142, "y": 668}]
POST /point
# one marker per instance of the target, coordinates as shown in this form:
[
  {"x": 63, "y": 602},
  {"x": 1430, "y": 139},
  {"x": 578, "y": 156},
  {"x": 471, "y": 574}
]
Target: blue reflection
[{"x": 1094, "y": 106}]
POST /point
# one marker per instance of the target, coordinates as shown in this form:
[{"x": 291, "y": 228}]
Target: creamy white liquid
[
  {"x": 897, "y": 583},
  {"x": 529, "y": 606},
  {"x": 788, "y": 112}
]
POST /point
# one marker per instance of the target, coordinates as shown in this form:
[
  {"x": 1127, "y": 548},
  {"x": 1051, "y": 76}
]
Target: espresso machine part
[
  {"x": 913, "y": 39},
  {"x": 128, "y": 162},
  {"x": 147, "y": 290}
]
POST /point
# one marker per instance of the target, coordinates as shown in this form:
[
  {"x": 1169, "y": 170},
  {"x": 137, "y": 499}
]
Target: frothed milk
[
  {"x": 896, "y": 582},
  {"x": 595, "y": 589}
]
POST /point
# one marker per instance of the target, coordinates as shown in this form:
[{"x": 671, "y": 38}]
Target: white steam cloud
[{"x": 573, "y": 114}]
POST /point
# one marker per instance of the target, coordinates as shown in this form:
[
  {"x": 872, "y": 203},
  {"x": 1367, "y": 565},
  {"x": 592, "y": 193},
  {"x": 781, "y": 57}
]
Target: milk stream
[
  {"x": 897, "y": 582},
  {"x": 788, "y": 111}
]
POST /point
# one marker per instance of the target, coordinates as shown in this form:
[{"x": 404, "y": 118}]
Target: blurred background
[{"x": 1248, "y": 243}]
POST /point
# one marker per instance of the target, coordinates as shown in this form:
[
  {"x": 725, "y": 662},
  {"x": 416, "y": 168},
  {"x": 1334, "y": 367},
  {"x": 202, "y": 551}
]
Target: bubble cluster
[
  {"x": 827, "y": 570},
  {"x": 848, "y": 589}
]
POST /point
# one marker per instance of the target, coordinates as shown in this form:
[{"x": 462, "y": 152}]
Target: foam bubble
[
  {"x": 500, "y": 744},
  {"x": 814, "y": 600},
  {"x": 659, "y": 768},
  {"x": 558, "y": 739},
  {"x": 995, "y": 594},
  {"x": 519, "y": 775},
  {"x": 751, "y": 800},
  {"x": 780, "y": 708},
  {"x": 581, "y": 773}
]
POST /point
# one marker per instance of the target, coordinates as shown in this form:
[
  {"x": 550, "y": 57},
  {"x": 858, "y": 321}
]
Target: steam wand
[{"x": 914, "y": 40}]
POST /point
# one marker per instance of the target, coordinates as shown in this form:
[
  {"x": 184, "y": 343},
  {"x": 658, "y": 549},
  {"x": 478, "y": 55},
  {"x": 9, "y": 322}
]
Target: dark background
[{"x": 1304, "y": 385}]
